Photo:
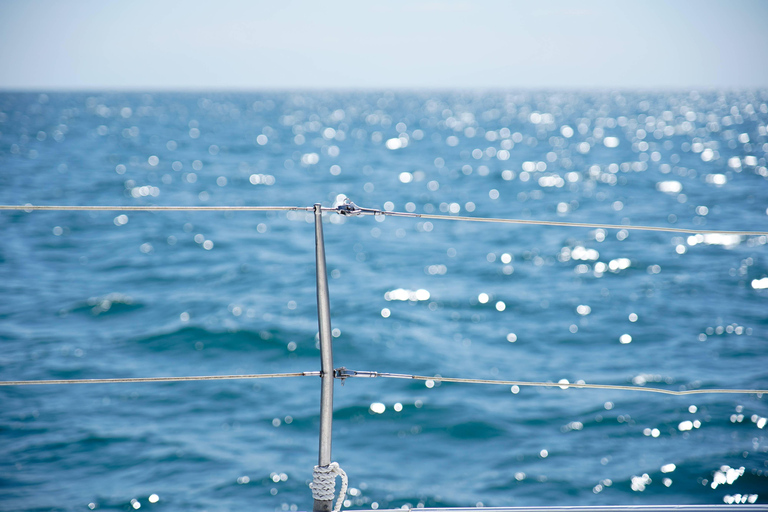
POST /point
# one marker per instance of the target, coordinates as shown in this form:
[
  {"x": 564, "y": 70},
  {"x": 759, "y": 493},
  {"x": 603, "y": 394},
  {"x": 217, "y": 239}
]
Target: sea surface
[{"x": 138, "y": 294}]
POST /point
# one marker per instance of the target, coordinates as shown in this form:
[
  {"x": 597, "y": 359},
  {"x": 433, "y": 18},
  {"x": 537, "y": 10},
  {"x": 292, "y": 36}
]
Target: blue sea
[{"x": 140, "y": 294}]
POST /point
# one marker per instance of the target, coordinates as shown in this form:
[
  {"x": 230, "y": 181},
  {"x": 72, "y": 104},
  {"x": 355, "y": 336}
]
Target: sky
[{"x": 361, "y": 44}]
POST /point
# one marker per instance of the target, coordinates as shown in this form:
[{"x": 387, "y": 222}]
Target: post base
[{"x": 322, "y": 506}]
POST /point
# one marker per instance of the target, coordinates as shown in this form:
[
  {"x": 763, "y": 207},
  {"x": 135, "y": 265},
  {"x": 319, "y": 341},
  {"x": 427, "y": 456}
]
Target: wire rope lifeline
[
  {"x": 158, "y": 379},
  {"x": 351, "y": 209},
  {"x": 30, "y": 207},
  {"x": 343, "y": 373},
  {"x": 324, "y": 484},
  {"x": 348, "y": 208}
]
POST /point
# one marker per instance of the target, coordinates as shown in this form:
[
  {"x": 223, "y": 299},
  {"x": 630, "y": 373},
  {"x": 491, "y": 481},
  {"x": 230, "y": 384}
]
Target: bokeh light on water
[{"x": 139, "y": 294}]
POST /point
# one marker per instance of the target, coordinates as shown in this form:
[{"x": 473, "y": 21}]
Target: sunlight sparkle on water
[
  {"x": 716, "y": 179},
  {"x": 726, "y": 475},
  {"x": 670, "y": 187},
  {"x": 407, "y": 295},
  {"x": 714, "y": 239},
  {"x": 639, "y": 483},
  {"x": 687, "y": 160}
]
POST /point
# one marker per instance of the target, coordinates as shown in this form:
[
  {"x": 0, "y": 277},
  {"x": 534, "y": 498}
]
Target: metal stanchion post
[{"x": 326, "y": 354}]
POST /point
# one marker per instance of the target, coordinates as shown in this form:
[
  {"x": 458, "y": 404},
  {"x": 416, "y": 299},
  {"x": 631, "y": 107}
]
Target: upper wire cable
[
  {"x": 352, "y": 209},
  {"x": 574, "y": 224},
  {"x": 30, "y": 207},
  {"x": 348, "y": 208}
]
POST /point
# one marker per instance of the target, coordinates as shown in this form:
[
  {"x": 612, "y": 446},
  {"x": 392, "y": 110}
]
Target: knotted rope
[{"x": 324, "y": 484}]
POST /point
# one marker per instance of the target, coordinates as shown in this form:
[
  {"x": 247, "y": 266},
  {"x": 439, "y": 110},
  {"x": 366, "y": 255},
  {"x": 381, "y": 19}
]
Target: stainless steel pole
[{"x": 326, "y": 354}]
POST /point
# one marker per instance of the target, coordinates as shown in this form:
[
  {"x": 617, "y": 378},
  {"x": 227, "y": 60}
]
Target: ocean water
[{"x": 113, "y": 294}]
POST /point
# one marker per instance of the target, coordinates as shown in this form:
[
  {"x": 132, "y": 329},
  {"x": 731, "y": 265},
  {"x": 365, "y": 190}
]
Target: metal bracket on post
[{"x": 326, "y": 354}]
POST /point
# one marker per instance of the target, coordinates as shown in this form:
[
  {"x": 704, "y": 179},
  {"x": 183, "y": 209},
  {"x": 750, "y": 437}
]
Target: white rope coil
[{"x": 324, "y": 484}]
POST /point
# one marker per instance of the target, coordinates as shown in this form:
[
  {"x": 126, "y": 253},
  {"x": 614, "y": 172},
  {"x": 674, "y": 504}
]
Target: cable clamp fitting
[
  {"x": 342, "y": 374},
  {"x": 348, "y": 209}
]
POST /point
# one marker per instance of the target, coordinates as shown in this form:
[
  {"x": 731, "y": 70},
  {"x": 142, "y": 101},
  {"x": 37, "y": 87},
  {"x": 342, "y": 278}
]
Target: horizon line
[{"x": 399, "y": 88}]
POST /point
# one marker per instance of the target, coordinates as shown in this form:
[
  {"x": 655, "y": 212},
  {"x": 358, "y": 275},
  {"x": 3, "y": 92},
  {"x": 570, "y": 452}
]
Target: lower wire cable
[
  {"x": 158, "y": 379},
  {"x": 351, "y": 373},
  {"x": 343, "y": 373}
]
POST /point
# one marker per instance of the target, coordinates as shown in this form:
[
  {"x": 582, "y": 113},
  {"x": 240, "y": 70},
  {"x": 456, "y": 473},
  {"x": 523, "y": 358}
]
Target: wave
[
  {"x": 110, "y": 304},
  {"x": 277, "y": 342}
]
